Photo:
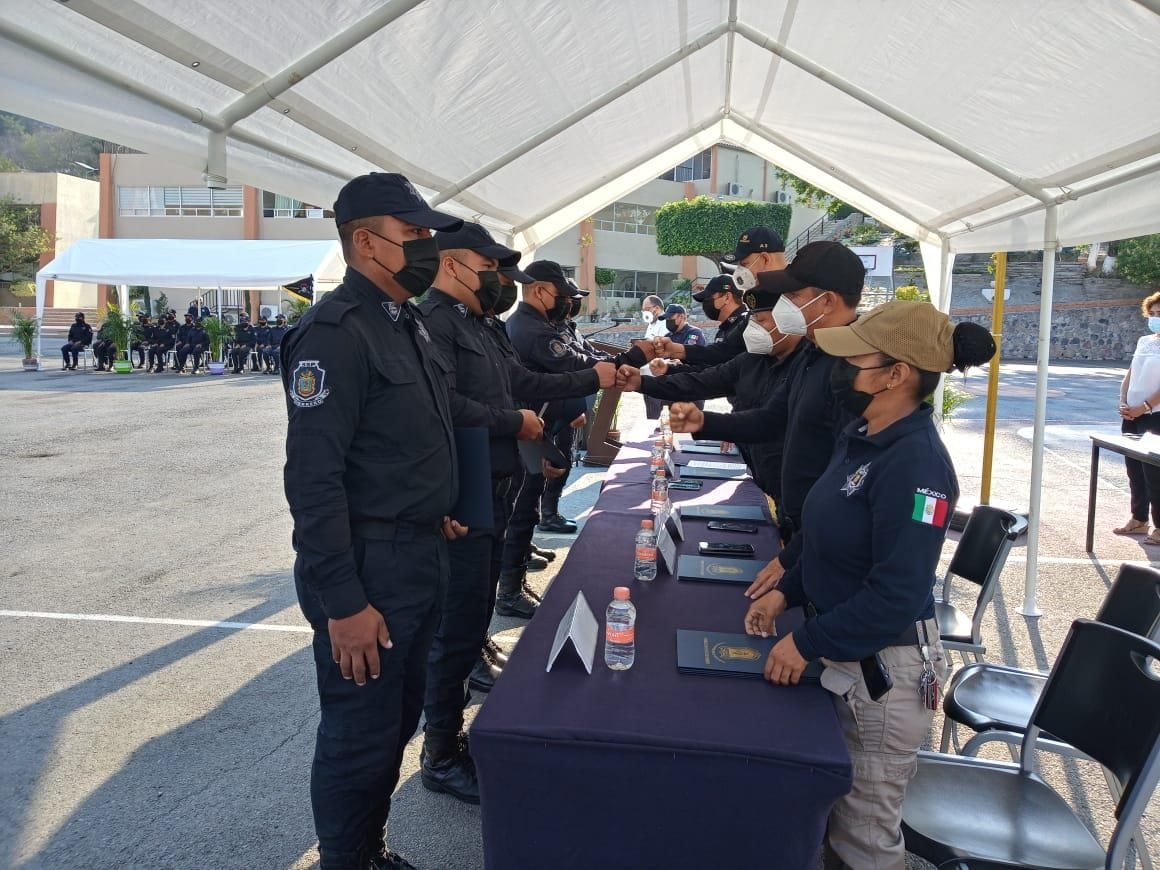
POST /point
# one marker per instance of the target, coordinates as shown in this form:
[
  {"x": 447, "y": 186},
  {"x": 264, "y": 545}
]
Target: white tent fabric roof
[
  {"x": 193, "y": 262},
  {"x": 957, "y": 124}
]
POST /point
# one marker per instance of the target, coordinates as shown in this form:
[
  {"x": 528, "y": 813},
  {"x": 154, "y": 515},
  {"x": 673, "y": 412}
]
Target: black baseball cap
[
  {"x": 755, "y": 240},
  {"x": 515, "y": 273},
  {"x": 388, "y": 193},
  {"x": 717, "y": 284},
  {"x": 547, "y": 270},
  {"x": 576, "y": 289},
  {"x": 475, "y": 237},
  {"x": 825, "y": 265},
  {"x": 674, "y": 308}
]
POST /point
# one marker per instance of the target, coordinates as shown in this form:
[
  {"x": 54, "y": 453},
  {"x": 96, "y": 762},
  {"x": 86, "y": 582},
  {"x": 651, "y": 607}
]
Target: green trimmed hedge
[{"x": 710, "y": 227}]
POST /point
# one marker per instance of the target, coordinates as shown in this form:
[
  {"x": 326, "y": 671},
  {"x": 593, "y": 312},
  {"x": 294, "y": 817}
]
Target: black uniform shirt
[
  {"x": 262, "y": 335},
  {"x": 81, "y": 332},
  {"x": 542, "y": 348},
  {"x": 727, "y": 344},
  {"x": 244, "y": 335},
  {"x": 369, "y": 435},
  {"x": 276, "y": 335},
  {"x": 488, "y": 381},
  {"x": 804, "y": 413},
  {"x": 197, "y": 336},
  {"x": 183, "y": 332},
  {"x": 872, "y": 532}
]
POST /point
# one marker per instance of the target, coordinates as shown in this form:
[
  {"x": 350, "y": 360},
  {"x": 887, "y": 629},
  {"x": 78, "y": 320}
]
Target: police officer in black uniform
[
  {"x": 261, "y": 342},
  {"x": 198, "y": 341},
  {"x": 274, "y": 342},
  {"x": 140, "y": 342},
  {"x": 104, "y": 348},
  {"x": 759, "y": 249},
  {"x": 181, "y": 349},
  {"x": 466, "y": 286},
  {"x": 540, "y": 347},
  {"x": 80, "y": 336},
  {"x": 371, "y": 476},
  {"x": 161, "y": 341},
  {"x": 748, "y": 379},
  {"x": 243, "y": 345}
]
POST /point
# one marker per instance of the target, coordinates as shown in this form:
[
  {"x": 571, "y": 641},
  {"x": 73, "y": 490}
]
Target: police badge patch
[
  {"x": 854, "y": 481},
  {"x": 393, "y": 310},
  {"x": 308, "y": 384},
  {"x": 557, "y": 347}
]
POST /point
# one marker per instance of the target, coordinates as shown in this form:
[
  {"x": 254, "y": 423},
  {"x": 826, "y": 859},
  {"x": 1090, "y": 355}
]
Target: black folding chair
[
  {"x": 1014, "y": 819},
  {"x": 979, "y": 558}
]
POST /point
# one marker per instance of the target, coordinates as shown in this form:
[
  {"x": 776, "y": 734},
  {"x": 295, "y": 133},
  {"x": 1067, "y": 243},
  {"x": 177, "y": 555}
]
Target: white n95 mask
[{"x": 789, "y": 318}]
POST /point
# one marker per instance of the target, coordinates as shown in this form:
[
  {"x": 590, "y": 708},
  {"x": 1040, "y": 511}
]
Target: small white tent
[{"x": 190, "y": 263}]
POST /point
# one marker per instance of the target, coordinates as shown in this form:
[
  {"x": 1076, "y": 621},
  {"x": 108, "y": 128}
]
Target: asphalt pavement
[{"x": 158, "y": 707}]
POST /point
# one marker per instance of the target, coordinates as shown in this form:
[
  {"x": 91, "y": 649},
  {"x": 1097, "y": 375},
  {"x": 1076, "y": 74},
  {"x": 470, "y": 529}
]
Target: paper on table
[
  {"x": 578, "y": 625},
  {"x": 724, "y": 466}
]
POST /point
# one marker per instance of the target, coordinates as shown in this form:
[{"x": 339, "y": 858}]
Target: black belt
[
  {"x": 391, "y": 530},
  {"x": 909, "y": 637}
]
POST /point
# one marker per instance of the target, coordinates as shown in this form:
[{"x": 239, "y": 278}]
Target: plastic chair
[
  {"x": 979, "y": 558},
  {"x": 1015, "y": 818}
]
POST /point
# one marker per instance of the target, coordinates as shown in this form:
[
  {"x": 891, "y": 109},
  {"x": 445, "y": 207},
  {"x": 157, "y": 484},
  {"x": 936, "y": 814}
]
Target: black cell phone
[
  {"x": 720, "y": 548},
  {"x": 686, "y": 484},
  {"x": 703, "y": 443},
  {"x": 731, "y": 526},
  {"x": 877, "y": 677}
]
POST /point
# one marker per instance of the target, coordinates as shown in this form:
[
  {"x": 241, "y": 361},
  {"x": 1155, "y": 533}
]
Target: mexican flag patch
[{"x": 930, "y": 507}]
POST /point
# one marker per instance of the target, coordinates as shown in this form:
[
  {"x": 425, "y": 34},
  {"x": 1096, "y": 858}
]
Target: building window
[
  {"x": 275, "y": 205},
  {"x": 632, "y": 284},
  {"x": 179, "y": 202},
  {"x": 627, "y": 217},
  {"x": 694, "y": 169}
]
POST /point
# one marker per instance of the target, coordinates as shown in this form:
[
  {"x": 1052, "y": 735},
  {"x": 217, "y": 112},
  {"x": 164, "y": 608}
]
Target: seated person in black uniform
[
  {"x": 140, "y": 341},
  {"x": 261, "y": 341},
  {"x": 273, "y": 343},
  {"x": 104, "y": 348},
  {"x": 161, "y": 341},
  {"x": 180, "y": 348},
  {"x": 243, "y": 344},
  {"x": 198, "y": 341},
  {"x": 80, "y": 336}
]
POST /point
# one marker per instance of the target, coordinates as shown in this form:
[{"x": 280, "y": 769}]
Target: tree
[
  {"x": 22, "y": 239},
  {"x": 811, "y": 196},
  {"x": 1138, "y": 260},
  {"x": 605, "y": 277},
  {"x": 705, "y": 227}
]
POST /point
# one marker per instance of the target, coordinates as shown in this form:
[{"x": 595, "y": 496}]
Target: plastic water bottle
[
  {"x": 620, "y": 631},
  {"x": 656, "y": 461},
  {"x": 646, "y": 552},
  {"x": 660, "y": 492},
  {"x": 666, "y": 429}
]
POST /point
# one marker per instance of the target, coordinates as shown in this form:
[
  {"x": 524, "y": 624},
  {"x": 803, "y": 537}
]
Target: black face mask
[
  {"x": 671, "y": 324},
  {"x": 422, "y": 263},
  {"x": 507, "y": 298},
  {"x": 561, "y": 305},
  {"x": 842, "y": 377},
  {"x": 710, "y": 308},
  {"x": 489, "y": 287}
]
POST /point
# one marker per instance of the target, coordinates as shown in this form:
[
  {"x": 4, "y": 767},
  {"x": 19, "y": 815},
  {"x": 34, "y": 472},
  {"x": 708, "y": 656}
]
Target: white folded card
[{"x": 724, "y": 466}]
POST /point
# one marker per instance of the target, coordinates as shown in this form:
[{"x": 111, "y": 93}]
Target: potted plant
[
  {"x": 119, "y": 327},
  {"x": 218, "y": 332},
  {"x": 24, "y": 330}
]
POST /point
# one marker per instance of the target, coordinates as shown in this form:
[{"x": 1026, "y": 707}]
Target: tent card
[
  {"x": 670, "y": 467},
  {"x": 724, "y": 466},
  {"x": 579, "y": 626},
  {"x": 673, "y": 521},
  {"x": 666, "y": 551}
]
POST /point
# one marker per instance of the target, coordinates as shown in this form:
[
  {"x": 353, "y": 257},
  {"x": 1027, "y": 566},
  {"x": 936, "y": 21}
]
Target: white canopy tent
[
  {"x": 975, "y": 125},
  {"x": 189, "y": 263}
]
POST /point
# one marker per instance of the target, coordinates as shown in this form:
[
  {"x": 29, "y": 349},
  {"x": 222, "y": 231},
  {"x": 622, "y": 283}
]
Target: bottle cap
[
  {"x": 620, "y": 593},
  {"x": 661, "y": 472},
  {"x": 646, "y": 524}
]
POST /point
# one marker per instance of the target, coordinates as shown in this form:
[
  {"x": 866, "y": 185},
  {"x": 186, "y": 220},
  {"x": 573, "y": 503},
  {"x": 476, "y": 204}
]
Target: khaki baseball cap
[{"x": 911, "y": 332}]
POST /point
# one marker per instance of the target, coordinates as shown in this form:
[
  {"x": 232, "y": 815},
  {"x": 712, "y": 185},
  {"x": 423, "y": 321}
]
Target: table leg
[{"x": 1091, "y": 518}]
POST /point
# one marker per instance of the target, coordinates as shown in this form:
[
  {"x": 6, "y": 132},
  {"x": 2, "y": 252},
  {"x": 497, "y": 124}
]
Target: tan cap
[{"x": 910, "y": 332}]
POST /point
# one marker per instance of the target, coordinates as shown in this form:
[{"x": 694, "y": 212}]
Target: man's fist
[
  {"x": 686, "y": 417},
  {"x": 532, "y": 426},
  {"x": 658, "y": 366},
  {"x": 628, "y": 378},
  {"x": 607, "y": 373},
  {"x": 667, "y": 348},
  {"x": 646, "y": 346}
]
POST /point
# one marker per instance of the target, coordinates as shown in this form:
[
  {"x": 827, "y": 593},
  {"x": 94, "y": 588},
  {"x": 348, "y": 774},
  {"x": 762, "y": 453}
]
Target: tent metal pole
[
  {"x": 1050, "y": 243},
  {"x": 580, "y": 114},
  {"x": 729, "y": 49},
  {"x": 993, "y": 376}
]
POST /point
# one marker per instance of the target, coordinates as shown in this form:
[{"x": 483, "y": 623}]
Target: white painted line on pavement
[{"x": 149, "y": 620}]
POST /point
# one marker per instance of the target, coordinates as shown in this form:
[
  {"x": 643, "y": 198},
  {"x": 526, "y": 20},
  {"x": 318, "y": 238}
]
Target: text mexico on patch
[
  {"x": 308, "y": 384},
  {"x": 930, "y": 507}
]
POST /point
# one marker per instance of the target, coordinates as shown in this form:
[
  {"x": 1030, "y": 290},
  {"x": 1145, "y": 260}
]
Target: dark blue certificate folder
[
  {"x": 713, "y": 653},
  {"x": 473, "y": 509}
]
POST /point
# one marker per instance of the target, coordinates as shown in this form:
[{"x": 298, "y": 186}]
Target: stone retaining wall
[{"x": 1079, "y": 330}]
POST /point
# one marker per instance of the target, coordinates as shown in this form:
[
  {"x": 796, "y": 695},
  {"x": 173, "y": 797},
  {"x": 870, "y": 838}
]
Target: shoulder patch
[
  {"x": 930, "y": 507},
  {"x": 557, "y": 347},
  {"x": 308, "y": 384}
]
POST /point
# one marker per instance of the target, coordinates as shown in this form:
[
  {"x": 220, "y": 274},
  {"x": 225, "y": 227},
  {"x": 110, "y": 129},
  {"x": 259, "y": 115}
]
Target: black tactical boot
[
  {"x": 446, "y": 765},
  {"x": 512, "y": 598},
  {"x": 386, "y": 859},
  {"x": 543, "y": 553},
  {"x": 550, "y": 519},
  {"x": 535, "y": 563},
  {"x": 483, "y": 675}
]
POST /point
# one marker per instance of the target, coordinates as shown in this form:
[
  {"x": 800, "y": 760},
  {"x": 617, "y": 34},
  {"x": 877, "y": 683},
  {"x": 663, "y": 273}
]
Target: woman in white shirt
[{"x": 1140, "y": 413}]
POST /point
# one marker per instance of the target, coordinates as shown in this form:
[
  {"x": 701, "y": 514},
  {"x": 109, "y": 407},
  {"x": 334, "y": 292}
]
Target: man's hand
[
  {"x": 686, "y": 417},
  {"x": 658, "y": 366},
  {"x": 785, "y": 664},
  {"x": 579, "y": 422},
  {"x": 549, "y": 470},
  {"x": 532, "y": 426},
  {"x": 759, "y": 619},
  {"x": 628, "y": 378},
  {"x": 607, "y": 373},
  {"x": 646, "y": 346},
  {"x": 453, "y": 530},
  {"x": 666, "y": 347},
  {"x": 355, "y": 642},
  {"x": 767, "y": 578}
]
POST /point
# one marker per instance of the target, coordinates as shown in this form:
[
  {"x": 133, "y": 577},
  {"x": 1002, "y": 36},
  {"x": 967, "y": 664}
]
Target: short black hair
[{"x": 346, "y": 232}]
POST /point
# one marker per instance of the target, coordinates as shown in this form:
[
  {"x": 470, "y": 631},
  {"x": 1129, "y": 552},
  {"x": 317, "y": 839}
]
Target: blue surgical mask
[{"x": 1154, "y": 324}]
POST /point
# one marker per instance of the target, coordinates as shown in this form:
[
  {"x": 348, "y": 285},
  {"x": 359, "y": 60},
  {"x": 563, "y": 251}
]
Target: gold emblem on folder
[
  {"x": 724, "y": 652},
  {"x": 718, "y": 569}
]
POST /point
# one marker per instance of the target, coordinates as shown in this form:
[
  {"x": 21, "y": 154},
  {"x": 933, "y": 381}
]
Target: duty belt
[
  {"x": 909, "y": 637},
  {"x": 394, "y": 530}
]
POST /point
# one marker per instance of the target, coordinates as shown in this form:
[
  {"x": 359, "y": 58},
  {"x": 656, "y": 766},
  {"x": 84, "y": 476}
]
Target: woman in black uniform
[{"x": 873, "y": 527}]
